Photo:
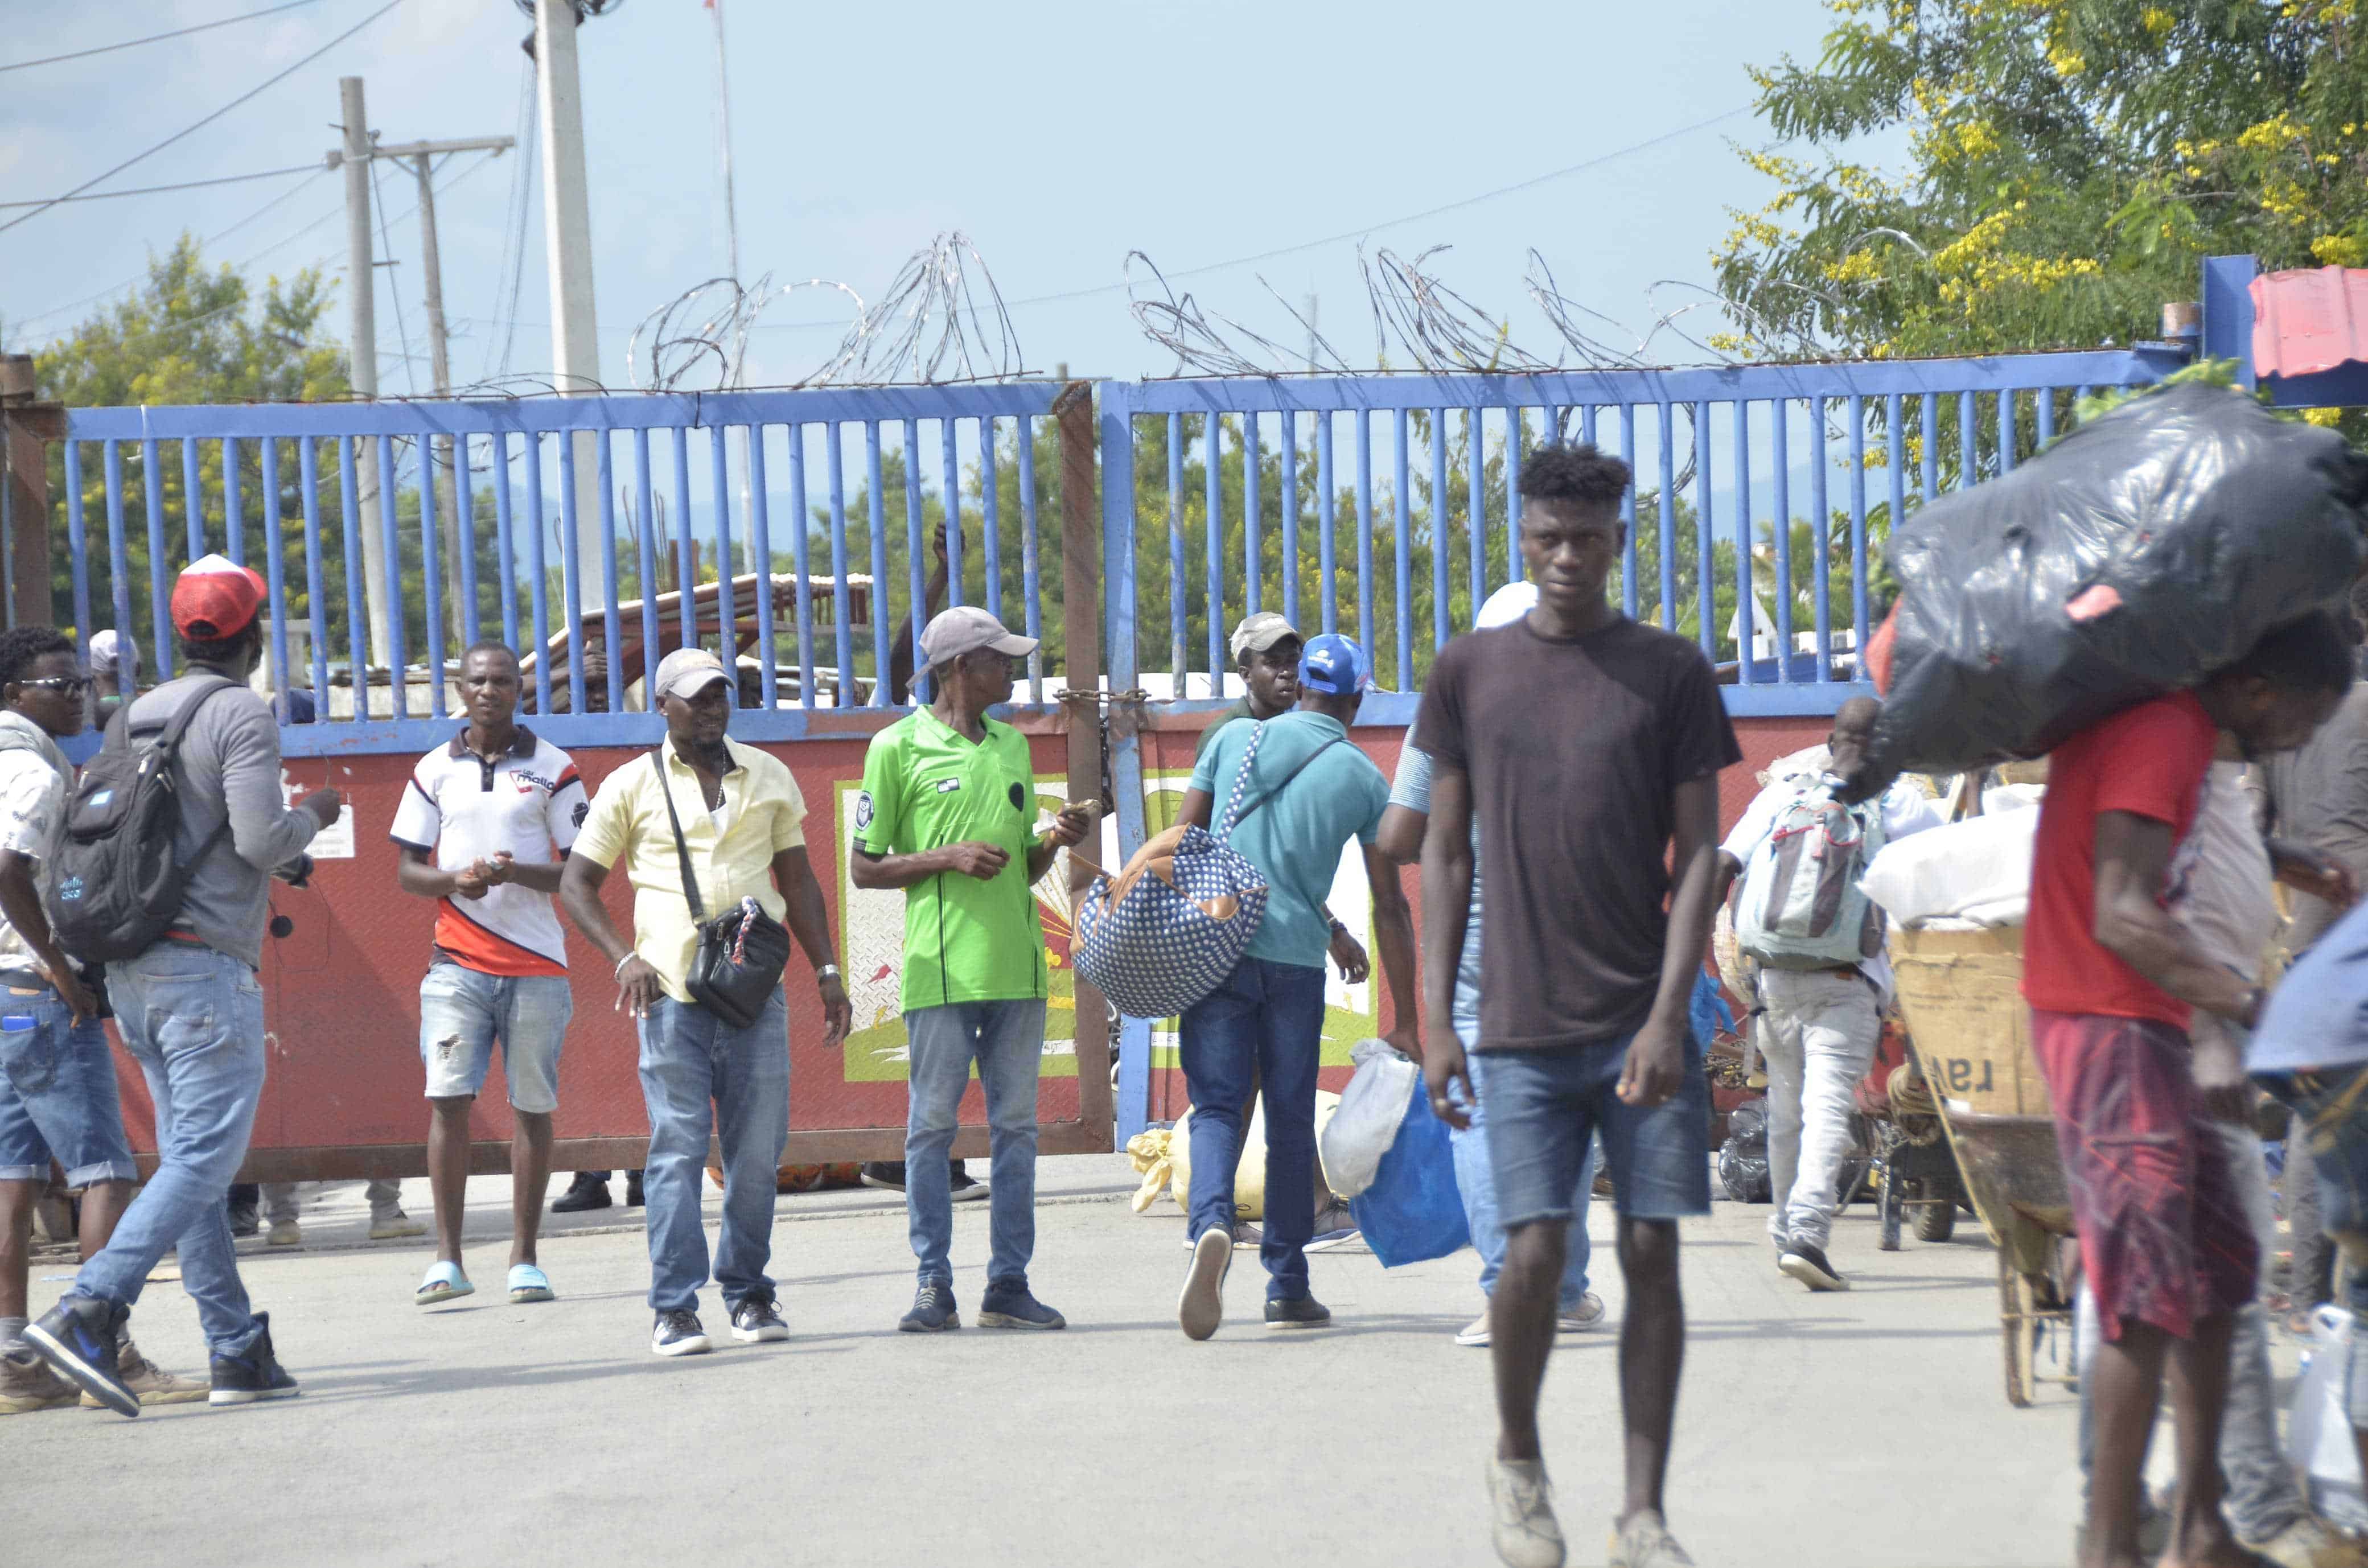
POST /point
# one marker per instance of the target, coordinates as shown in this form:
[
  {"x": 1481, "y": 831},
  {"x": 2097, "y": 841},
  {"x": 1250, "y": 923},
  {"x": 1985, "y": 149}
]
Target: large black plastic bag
[{"x": 2144, "y": 551}]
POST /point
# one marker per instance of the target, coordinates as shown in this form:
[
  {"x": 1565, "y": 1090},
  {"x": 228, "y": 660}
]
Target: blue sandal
[
  {"x": 529, "y": 1283},
  {"x": 445, "y": 1282}
]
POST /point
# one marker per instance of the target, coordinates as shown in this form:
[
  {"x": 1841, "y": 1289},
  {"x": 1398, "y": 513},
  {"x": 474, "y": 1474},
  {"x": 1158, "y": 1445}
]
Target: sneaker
[
  {"x": 888, "y": 1175},
  {"x": 82, "y": 1339},
  {"x": 253, "y": 1374},
  {"x": 1645, "y": 1542},
  {"x": 678, "y": 1334},
  {"x": 1014, "y": 1307},
  {"x": 1201, "y": 1307},
  {"x": 27, "y": 1384},
  {"x": 933, "y": 1310},
  {"x": 757, "y": 1320},
  {"x": 1578, "y": 1319},
  {"x": 285, "y": 1234},
  {"x": 1297, "y": 1312},
  {"x": 150, "y": 1381},
  {"x": 1805, "y": 1261},
  {"x": 244, "y": 1219},
  {"x": 633, "y": 1189},
  {"x": 965, "y": 1189},
  {"x": 394, "y": 1227},
  {"x": 2307, "y": 1543},
  {"x": 1476, "y": 1334},
  {"x": 1783, "y": 1243},
  {"x": 585, "y": 1193},
  {"x": 1522, "y": 1517}
]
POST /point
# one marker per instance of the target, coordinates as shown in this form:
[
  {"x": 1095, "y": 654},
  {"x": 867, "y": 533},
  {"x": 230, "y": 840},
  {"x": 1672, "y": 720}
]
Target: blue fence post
[
  {"x": 1290, "y": 499},
  {"x": 465, "y": 504},
  {"x": 801, "y": 562},
  {"x": 1442, "y": 533},
  {"x": 193, "y": 500},
  {"x": 843, "y": 633},
  {"x": 539, "y": 590},
  {"x": 572, "y": 576},
  {"x": 1213, "y": 505},
  {"x": 356, "y": 633},
  {"x": 315, "y": 544},
  {"x": 497, "y": 458},
  {"x": 151, "y": 490},
  {"x": 1745, "y": 592},
  {"x": 1365, "y": 534},
  {"x": 990, "y": 520},
  {"x": 646, "y": 560},
  {"x": 1325, "y": 553},
  {"x": 76, "y": 546},
  {"x": 233, "y": 518},
  {"x": 1253, "y": 549},
  {"x": 686, "y": 551},
  {"x": 431, "y": 570},
  {"x": 760, "y": 525},
  {"x": 1665, "y": 522},
  {"x": 881, "y": 633},
  {"x": 1780, "y": 527},
  {"x": 274, "y": 569},
  {"x": 1031, "y": 572},
  {"x": 1401, "y": 509}
]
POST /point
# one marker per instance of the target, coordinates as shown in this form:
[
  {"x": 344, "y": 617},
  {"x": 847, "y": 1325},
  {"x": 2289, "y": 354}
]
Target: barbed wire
[
  {"x": 929, "y": 326},
  {"x": 1178, "y": 325},
  {"x": 1438, "y": 328}
]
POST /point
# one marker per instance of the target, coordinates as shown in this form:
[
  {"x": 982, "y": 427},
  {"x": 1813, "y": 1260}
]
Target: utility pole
[
  {"x": 723, "y": 105},
  {"x": 439, "y": 457},
  {"x": 567, "y": 227},
  {"x": 361, "y": 349},
  {"x": 732, "y": 263}
]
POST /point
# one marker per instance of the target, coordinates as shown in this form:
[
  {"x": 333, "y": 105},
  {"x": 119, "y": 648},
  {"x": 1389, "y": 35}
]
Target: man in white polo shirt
[{"x": 484, "y": 829}]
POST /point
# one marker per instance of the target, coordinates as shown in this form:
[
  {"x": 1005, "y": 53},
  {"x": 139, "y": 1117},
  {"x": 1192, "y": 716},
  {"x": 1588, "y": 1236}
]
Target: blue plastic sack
[
  {"x": 1413, "y": 1212},
  {"x": 1707, "y": 1012}
]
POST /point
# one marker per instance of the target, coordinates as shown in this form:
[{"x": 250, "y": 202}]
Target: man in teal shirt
[{"x": 1304, "y": 792}]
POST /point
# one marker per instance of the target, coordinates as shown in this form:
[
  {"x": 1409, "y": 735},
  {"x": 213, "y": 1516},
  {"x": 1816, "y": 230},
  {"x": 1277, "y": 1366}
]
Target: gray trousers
[{"x": 279, "y": 1200}]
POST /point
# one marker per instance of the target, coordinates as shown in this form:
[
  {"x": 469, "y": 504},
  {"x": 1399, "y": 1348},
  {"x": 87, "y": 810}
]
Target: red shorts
[{"x": 2163, "y": 1234}]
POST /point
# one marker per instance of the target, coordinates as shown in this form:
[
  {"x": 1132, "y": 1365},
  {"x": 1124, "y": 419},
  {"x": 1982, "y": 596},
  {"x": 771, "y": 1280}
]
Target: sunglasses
[{"x": 69, "y": 686}]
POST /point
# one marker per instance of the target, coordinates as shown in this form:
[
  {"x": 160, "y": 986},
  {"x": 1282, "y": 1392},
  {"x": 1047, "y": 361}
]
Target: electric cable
[
  {"x": 177, "y": 135},
  {"x": 154, "y": 38}
]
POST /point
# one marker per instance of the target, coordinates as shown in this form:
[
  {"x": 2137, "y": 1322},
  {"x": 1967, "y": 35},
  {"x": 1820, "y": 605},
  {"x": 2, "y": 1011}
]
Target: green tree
[
  {"x": 2070, "y": 163},
  {"x": 194, "y": 335}
]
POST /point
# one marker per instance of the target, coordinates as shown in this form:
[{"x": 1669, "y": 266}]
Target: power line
[
  {"x": 153, "y": 38},
  {"x": 209, "y": 119},
  {"x": 286, "y": 239},
  {"x": 185, "y": 185},
  {"x": 1358, "y": 232},
  {"x": 292, "y": 191}
]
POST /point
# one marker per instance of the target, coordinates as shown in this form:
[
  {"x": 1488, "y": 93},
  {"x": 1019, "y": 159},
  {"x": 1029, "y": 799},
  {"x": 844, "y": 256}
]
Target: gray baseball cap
[
  {"x": 687, "y": 672},
  {"x": 1258, "y": 633},
  {"x": 965, "y": 628}
]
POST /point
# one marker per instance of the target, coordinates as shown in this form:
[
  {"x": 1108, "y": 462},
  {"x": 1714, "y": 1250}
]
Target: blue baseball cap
[{"x": 1336, "y": 665}]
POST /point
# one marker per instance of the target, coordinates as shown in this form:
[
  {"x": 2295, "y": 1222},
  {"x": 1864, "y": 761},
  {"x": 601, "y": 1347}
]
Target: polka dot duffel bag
[{"x": 1171, "y": 927}]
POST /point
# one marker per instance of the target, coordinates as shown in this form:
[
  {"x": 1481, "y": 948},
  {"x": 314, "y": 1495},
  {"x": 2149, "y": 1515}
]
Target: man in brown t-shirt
[{"x": 1587, "y": 745}]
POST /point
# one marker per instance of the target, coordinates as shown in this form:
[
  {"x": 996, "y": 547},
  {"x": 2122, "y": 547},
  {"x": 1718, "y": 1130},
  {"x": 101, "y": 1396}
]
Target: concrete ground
[{"x": 1868, "y": 1428}]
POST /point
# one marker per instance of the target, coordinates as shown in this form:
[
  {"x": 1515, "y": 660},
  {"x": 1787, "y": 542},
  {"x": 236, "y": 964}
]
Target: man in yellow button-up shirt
[{"x": 742, "y": 822}]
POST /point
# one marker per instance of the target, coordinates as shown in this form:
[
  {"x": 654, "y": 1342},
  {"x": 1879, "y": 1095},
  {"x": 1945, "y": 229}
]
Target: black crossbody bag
[{"x": 742, "y": 952}]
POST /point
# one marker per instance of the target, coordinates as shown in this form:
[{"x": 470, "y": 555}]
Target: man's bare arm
[{"x": 2132, "y": 865}]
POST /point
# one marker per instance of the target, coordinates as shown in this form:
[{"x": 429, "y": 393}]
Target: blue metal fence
[
  {"x": 1739, "y": 473},
  {"x": 808, "y": 578}
]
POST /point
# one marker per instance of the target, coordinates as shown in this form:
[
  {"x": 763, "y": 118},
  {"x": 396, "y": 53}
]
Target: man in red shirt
[{"x": 2112, "y": 979}]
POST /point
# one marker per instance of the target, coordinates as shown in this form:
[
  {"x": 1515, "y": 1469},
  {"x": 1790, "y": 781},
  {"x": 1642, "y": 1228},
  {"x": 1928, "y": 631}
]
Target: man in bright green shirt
[{"x": 948, "y": 814}]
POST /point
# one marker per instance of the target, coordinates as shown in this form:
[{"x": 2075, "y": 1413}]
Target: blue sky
[{"x": 1058, "y": 136}]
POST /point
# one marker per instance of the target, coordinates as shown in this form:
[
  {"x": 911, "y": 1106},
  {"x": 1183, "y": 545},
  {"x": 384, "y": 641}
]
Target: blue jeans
[
  {"x": 1265, "y": 1018},
  {"x": 1545, "y": 1105},
  {"x": 193, "y": 1019},
  {"x": 2331, "y": 1112},
  {"x": 690, "y": 1058},
  {"x": 1475, "y": 1179},
  {"x": 1007, "y": 1040},
  {"x": 462, "y": 1011},
  {"x": 57, "y": 1094}
]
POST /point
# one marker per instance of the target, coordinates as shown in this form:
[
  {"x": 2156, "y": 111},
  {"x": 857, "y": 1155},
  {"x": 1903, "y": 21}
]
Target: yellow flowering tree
[{"x": 2069, "y": 163}]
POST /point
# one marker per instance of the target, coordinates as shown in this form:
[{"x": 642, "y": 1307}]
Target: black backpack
[{"x": 117, "y": 883}]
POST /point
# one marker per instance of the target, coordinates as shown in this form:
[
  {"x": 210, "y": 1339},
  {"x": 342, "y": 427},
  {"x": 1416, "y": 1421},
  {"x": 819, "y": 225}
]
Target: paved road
[{"x": 1835, "y": 1431}]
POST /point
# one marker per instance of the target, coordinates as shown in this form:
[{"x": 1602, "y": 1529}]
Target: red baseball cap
[{"x": 216, "y": 598}]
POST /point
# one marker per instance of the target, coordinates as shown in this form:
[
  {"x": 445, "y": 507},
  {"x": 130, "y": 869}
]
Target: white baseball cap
[
  {"x": 965, "y": 628},
  {"x": 687, "y": 672}
]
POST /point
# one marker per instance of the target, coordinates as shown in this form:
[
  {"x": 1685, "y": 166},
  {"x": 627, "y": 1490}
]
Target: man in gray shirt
[
  {"x": 2318, "y": 796},
  {"x": 191, "y": 1009}
]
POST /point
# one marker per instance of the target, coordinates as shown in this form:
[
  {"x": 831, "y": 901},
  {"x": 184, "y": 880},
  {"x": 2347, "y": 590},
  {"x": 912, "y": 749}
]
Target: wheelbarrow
[{"x": 1960, "y": 990}]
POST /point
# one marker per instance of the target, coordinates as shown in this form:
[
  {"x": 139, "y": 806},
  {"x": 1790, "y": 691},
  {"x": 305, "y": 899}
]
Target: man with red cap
[{"x": 189, "y": 1007}]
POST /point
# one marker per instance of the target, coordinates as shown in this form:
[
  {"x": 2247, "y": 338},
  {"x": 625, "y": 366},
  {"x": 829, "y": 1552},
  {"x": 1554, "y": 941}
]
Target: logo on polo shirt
[
  {"x": 948, "y": 786},
  {"x": 862, "y": 809},
  {"x": 583, "y": 810}
]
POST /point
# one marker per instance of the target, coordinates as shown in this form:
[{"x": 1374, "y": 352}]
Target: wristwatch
[{"x": 827, "y": 971}]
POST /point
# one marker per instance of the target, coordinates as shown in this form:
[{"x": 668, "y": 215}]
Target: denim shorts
[
  {"x": 462, "y": 1011},
  {"x": 1543, "y": 1106},
  {"x": 57, "y": 1094}
]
